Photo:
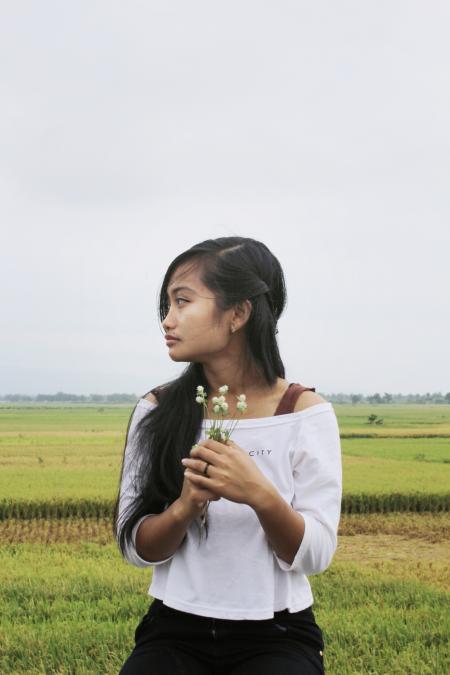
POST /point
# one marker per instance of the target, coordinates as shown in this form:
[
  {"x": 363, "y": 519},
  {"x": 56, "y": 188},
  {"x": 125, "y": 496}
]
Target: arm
[
  {"x": 158, "y": 536},
  {"x": 304, "y": 535},
  {"x": 284, "y": 527},
  {"x": 154, "y": 537}
]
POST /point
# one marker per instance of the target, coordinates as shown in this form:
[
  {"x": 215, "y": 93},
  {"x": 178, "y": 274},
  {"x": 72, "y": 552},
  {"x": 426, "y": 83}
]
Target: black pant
[{"x": 168, "y": 641}]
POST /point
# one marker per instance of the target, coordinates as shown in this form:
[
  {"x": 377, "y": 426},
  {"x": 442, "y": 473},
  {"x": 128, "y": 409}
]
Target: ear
[{"x": 242, "y": 312}]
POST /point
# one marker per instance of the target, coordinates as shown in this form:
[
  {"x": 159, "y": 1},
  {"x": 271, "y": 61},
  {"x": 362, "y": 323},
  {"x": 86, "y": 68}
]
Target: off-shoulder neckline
[{"x": 261, "y": 421}]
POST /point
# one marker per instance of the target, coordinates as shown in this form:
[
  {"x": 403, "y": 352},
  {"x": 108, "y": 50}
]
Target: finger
[
  {"x": 214, "y": 446},
  {"x": 197, "y": 479},
  {"x": 195, "y": 464},
  {"x": 200, "y": 452},
  {"x": 207, "y": 492},
  {"x": 234, "y": 447}
]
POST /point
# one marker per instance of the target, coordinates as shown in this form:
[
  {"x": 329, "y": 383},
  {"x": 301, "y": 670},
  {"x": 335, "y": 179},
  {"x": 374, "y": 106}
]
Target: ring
[{"x": 206, "y": 469}]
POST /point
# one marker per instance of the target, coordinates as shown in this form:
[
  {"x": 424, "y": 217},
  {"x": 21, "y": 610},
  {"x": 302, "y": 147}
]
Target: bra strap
[
  {"x": 285, "y": 406},
  {"x": 290, "y": 396}
]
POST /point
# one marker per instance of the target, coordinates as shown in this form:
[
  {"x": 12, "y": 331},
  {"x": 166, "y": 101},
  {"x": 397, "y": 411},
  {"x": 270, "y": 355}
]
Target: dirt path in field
[
  {"x": 376, "y": 536},
  {"x": 397, "y": 556},
  {"x": 431, "y": 527},
  {"x": 404, "y": 546},
  {"x": 384, "y": 547}
]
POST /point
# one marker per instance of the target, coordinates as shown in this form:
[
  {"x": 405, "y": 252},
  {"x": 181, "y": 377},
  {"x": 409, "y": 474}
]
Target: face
[{"x": 201, "y": 329}]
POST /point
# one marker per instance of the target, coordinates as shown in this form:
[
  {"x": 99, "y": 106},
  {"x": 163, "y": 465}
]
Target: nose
[
  {"x": 166, "y": 325},
  {"x": 168, "y": 321}
]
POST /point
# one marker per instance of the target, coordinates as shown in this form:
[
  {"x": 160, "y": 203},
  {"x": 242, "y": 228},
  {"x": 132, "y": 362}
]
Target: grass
[
  {"x": 60, "y": 452},
  {"x": 70, "y": 603},
  {"x": 399, "y": 449}
]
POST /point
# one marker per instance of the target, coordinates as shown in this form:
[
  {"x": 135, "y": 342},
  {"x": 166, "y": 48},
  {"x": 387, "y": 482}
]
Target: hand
[
  {"x": 231, "y": 472},
  {"x": 194, "y": 498}
]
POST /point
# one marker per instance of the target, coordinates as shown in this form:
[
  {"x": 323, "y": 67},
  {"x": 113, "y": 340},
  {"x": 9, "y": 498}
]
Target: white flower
[{"x": 220, "y": 407}]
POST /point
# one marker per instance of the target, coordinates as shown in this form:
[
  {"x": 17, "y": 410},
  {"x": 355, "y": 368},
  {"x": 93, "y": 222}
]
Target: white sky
[{"x": 130, "y": 131}]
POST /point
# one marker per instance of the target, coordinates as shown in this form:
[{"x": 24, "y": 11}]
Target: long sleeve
[
  {"x": 317, "y": 474},
  {"x": 128, "y": 490}
]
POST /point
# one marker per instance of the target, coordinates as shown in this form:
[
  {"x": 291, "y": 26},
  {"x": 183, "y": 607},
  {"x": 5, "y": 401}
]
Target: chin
[{"x": 177, "y": 358}]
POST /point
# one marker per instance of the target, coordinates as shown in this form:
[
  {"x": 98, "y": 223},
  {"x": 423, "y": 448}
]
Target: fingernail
[{"x": 184, "y": 461}]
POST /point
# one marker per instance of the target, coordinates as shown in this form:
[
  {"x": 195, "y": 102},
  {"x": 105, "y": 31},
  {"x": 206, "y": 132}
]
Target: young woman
[{"x": 231, "y": 594}]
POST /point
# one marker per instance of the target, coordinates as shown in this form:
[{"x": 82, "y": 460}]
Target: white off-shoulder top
[{"x": 234, "y": 573}]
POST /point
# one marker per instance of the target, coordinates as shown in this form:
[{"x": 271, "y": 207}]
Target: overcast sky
[{"x": 130, "y": 131}]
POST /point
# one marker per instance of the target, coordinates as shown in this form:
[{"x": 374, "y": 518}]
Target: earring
[{"x": 232, "y": 329}]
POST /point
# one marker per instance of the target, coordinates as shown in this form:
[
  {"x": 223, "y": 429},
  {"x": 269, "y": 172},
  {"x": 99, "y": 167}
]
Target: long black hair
[{"x": 234, "y": 269}]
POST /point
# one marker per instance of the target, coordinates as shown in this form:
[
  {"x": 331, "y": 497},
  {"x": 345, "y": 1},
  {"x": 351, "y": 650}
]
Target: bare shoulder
[
  {"x": 151, "y": 397},
  {"x": 308, "y": 399}
]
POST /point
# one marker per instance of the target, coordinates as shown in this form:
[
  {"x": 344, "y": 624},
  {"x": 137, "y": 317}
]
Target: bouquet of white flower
[{"x": 217, "y": 432}]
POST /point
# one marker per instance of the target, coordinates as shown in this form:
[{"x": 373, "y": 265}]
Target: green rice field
[{"x": 70, "y": 603}]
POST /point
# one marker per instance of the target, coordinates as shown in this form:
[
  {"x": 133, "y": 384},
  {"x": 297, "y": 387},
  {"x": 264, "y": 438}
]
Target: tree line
[{"x": 355, "y": 399}]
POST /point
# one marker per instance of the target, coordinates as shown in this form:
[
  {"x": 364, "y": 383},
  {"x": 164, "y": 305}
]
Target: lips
[{"x": 170, "y": 338}]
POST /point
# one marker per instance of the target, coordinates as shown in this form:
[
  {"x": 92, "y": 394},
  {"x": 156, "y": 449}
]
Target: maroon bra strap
[
  {"x": 155, "y": 392},
  {"x": 290, "y": 396},
  {"x": 288, "y": 400}
]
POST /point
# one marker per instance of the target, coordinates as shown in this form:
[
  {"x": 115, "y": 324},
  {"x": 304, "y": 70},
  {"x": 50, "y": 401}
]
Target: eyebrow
[{"x": 181, "y": 288}]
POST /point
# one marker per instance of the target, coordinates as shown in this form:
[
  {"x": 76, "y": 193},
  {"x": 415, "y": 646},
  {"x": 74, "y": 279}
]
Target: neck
[{"x": 239, "y": 380}]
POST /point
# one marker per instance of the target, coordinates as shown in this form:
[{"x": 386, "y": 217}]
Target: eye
[{"x": 169, "y": 304}]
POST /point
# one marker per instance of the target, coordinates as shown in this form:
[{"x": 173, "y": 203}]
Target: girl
[{"x": 231, "y": 528}]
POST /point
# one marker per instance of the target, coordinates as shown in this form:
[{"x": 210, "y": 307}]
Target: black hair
[{"x": 234, "y": 269}]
